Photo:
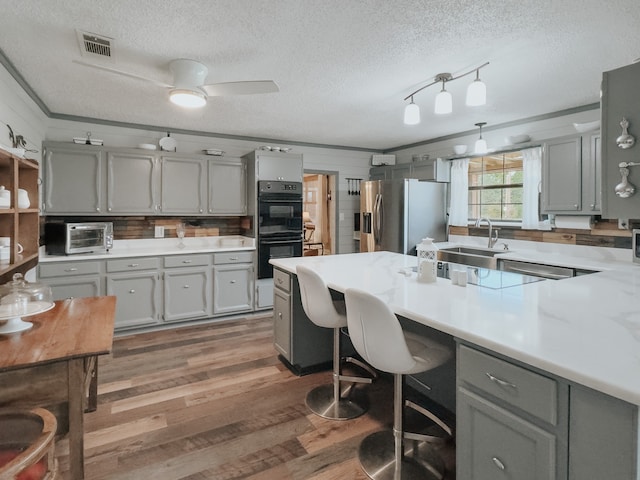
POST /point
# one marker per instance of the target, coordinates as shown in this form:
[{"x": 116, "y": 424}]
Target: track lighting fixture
[
  {"x": 476, "y": 95},
  {"x": 481, "y": 143}
]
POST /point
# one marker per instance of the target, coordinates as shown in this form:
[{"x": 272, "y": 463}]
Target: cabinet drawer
[
  {"x": 133, "y": 264},
  {"x": 282, "y": 280},
  {"x": 521, "y": 388},
  {"x": 68, "y": 268},
  {"x": 232, "y": 257},
  {"x": 186, "y": 261}
]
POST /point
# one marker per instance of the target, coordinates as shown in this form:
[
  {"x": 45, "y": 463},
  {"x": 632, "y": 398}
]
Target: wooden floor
[{"x": 214, "y": 402}]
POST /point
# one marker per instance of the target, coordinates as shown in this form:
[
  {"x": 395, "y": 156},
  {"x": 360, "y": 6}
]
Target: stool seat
[
  {"x": 332, "y": 401},
  {"x": 378, "y": 337}
]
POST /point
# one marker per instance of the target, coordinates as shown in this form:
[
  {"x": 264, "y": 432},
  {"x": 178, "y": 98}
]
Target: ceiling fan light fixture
[
  {"x": 411, "y": 114},
  {"x": 187, "y": 98}
]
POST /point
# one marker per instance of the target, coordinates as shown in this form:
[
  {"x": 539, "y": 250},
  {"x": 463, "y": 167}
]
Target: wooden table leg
[{"x": 76, "y": 417}]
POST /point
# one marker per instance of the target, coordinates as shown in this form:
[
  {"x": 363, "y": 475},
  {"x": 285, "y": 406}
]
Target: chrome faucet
[{"x": 492, "y": 239}]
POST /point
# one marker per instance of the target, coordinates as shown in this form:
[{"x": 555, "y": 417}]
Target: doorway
[{"x": 319, "y": 206}]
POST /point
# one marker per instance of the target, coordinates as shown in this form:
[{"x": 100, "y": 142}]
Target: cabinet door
[
  {"x": 282, "y": 322},
  {"x": 232, "y": 288},
  {"x": 138, "y": 298},
  {"x": 400, "y": 172},
  {"x": 286, "y": 168},
  {"x": 562, "y": 175},
  {"x": 73, "y": 181},
  {"x": 132, "y": 183},
  {"x": 187, "y": 293},
  {"x": 592, "y": 185},
  {"x": 75, "y": 287},
  {"x": 183, "y": 185},
  {"x": 492, "y": 443},
  {"x": 227, "y": 188}
]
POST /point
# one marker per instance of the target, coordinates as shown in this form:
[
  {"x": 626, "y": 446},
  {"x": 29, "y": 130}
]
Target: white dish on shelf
[
  {"x": 214, "y": 151},
  {"x": 587, "y": 127},
  {"x": 513, "y": 139},
  {"x": 147, "y": 146},
  {"x": 460, "y": 149}
]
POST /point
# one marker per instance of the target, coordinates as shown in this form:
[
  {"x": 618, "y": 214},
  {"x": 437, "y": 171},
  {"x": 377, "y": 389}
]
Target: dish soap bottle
[{"x": 427, "y": 261}]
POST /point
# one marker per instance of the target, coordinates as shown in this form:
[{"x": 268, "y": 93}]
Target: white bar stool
[
  {"x": 329, "y": 401},
  {"x": 378, "y": 337}
]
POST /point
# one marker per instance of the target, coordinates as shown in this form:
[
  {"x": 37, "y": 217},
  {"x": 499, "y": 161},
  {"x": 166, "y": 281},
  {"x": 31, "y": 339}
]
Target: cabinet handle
[
  {"x": 133, "y": 265},
  {"x": 280, "y": 281},
  {"x": 185, "y": 286},
  {"x": 232, "y": 281},
  {"x": 186, "y": 261},
  {"x": 498, "y": 463},
  {"x": 109, "y": 209},
  {"x": 97, "y": 209},
  {"x": 280, "y": 315},
  {"x": 132, "y": 291},
  {"x": 502, "y": 383},
  {"x": 593, "y": 206},
  {"x": 233, "y": 258},
  {"x": 71, "y": 269},
  {"x": 575, "y": 205},
  {"x": 201, "y": 210}
]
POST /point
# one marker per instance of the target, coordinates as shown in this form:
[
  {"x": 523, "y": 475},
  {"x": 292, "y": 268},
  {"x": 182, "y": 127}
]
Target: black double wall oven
[{"x": 279, "y": 223}]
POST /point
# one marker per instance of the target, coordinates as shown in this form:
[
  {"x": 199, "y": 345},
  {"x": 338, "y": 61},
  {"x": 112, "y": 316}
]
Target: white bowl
[
  {"x": 587, "y": 127},
  {"x": 513, "y": 139},
  {"x": 460, "y": 149},
  {"x": 147, "y": 146},
  {"x": 214, "y": 151}
]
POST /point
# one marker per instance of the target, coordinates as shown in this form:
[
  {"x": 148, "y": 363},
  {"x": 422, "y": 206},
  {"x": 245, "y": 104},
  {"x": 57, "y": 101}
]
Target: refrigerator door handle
[{"x": 377, "y": 219}]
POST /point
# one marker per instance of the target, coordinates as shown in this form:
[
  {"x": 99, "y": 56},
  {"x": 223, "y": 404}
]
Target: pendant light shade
[
  {"x": 481, "y": 144},
  {"x": 476, "y": 92},
  {"x": 444, "y": 102},
  {"x": 411, "y": 114}
]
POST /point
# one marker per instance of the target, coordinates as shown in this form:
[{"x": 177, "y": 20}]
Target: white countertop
[
  {"x": 585, "y": 329},
  {"x": 160, "y": 246}
]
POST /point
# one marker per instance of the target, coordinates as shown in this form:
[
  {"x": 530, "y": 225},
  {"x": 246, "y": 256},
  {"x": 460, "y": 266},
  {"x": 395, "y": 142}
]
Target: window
[{"x": 495, "y": 187}]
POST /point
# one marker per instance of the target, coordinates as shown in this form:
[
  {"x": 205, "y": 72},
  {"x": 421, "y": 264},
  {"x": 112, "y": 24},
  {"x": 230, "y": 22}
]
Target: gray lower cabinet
[
  {"x": 187, "y": 287},
  {"x": 136, "y": 284},
  {"x": 232, "y": 282},
  {"x": 73, "y": 181},
  {"x": 300, "y": 342},
  {"x": 73, "y": 279},
  {"x": 516, "y": 422}
]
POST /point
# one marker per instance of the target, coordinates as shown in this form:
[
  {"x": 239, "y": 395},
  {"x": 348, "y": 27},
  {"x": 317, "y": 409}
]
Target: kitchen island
[{"x": 582, "y": 333}]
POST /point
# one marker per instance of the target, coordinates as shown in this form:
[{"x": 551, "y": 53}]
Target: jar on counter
[{"x": 427, "y": 261}]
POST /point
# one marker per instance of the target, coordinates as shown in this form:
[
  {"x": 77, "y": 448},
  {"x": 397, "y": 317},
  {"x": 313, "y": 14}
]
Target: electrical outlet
[
  {"x": 623, "y": 223},
  {"x": 159, "y": 232}
]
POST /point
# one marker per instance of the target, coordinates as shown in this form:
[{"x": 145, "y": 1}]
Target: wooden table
[{"x": 54, "y": 365}]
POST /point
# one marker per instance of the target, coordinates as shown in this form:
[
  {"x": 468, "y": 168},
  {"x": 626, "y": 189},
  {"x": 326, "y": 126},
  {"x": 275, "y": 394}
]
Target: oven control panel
[{"x": 279, "y": 187}]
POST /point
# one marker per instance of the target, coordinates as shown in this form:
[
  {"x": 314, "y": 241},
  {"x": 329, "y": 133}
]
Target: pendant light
[
  {"x": 477, "y": 92},
  {"x": 411, "y": 114},
  {"x": 476, "y": 95},
  {"x": 481, "y": 143},
  {"x": 444, "y": 101}
]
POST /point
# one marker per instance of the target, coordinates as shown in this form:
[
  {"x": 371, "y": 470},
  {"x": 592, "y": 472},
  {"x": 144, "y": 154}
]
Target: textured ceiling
[{"x": 343, "y": 67}]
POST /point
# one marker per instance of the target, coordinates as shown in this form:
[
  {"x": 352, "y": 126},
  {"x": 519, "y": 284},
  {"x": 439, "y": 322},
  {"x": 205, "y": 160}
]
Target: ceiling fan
[{"x": 189, "y": 89}]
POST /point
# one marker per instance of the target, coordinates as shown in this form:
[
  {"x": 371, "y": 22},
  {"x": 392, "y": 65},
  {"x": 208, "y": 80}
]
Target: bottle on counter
[{"x": 427, "y": 261}]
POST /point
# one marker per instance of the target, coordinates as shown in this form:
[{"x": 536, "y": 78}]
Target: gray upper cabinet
[
  {"x": 571, "y": 175},
  {"x": 73, "y": 181},
  {"x": 227, "y": 187},
  {"x": 131, "y": 183},
  {"x": 620, "y": 99},
  {"x": 183, "y": 185},
  {"x": 279, "y": 166},
  {"x": 434, "y": 170}
]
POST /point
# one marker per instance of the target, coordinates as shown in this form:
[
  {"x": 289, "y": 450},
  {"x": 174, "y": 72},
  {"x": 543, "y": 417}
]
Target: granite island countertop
[
  {"x": 160, "y": 246},
  {"x": 585, "y": 329}
]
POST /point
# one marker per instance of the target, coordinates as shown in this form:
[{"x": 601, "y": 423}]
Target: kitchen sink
[{"x": 474, "y": 256}]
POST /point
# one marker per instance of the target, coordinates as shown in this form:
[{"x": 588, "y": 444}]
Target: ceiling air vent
[{"x": 95, "y": 45}]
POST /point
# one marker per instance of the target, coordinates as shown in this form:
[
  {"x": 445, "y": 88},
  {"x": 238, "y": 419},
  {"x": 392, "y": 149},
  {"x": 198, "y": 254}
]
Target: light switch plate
[{"x": 159, "y": 232}]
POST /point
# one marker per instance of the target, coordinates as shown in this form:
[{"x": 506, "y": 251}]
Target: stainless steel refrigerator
[{"x": 395, "y": 215}]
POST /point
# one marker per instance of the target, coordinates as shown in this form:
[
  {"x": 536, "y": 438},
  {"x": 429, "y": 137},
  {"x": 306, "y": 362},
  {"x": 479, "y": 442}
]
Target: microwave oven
[
  {"x": 635, "y": 245},
  {"x": 70, "y": 238}
]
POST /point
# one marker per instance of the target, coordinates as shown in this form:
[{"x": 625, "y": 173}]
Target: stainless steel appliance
[
  {"x": 279, "y": 223},
  {"x": 397, "y": 214},
  {"x": 65, "y": 238},
  {"x": 635, "y": 243}
]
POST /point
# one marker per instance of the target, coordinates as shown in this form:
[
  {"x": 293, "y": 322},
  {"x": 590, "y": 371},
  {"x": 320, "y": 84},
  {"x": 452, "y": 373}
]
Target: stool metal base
[
  {"x": 377, "y": 459},
  {"x": 321, "y": 401}
]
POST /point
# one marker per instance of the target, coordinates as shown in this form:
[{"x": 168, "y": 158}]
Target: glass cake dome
[{"x": 19, "y": 298}]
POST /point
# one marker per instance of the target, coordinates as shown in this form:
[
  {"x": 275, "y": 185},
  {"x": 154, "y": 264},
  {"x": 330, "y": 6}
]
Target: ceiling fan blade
[
  {"x": 121, "y": 72},
  {"x": 241, "y": 88}
]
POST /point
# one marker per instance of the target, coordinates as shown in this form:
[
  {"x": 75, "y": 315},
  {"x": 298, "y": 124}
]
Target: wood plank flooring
[{"x": 214, "y": 402}]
